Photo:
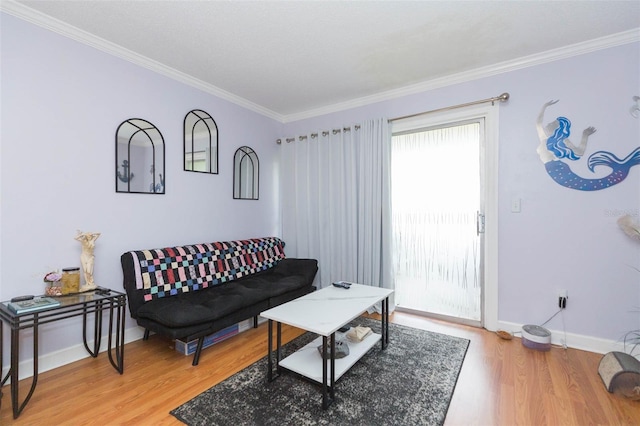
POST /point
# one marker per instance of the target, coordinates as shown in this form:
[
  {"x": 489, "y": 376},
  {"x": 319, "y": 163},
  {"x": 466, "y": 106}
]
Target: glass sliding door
[{"x": 437, "y": 216}]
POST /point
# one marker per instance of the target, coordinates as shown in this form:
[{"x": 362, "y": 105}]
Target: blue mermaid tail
[{"x": 563, "y": 175}]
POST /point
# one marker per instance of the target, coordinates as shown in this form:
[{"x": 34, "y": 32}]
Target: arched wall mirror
[
  {"x": 139, "y": 158},
  {"x": 200, "y": 142},
  {"x": 246, "y": 174}
]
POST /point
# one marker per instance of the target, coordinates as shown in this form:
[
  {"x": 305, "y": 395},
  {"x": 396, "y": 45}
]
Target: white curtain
[{"x": 335, "y": 202}]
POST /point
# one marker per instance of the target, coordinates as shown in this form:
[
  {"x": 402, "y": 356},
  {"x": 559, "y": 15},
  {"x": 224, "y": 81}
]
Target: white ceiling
[{"x": 291, "y": 59}]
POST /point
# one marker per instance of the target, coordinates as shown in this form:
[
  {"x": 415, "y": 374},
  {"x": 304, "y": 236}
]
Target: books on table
[{"x": 35, "y": 304}]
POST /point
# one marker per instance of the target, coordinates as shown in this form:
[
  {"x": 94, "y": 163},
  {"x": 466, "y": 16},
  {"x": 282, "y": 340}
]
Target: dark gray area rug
[{"x": 409, "y": 383}]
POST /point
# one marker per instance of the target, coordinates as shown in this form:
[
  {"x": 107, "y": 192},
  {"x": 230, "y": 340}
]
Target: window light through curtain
[{"x": 435, "y": 191}]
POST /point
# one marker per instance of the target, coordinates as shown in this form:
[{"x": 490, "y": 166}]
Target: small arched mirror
[
  {"x": 139, "y": 158},
  {"x": 200, "y": 143},
  {"x": 246, "y": 174}
]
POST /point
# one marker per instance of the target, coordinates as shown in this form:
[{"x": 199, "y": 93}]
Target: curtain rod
[
  {"x": 315, "y": 135},
  {"x": 501, "y": 98}
]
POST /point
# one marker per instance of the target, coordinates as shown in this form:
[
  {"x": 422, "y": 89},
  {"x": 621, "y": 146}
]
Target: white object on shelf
[{"x": 307, "y": 361}]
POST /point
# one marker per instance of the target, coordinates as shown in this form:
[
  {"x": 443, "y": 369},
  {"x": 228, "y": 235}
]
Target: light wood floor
[{"x": 501, "y": 383}]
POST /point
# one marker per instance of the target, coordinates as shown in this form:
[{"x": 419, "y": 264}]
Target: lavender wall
[
  {"x": 563, "y": 238},
  {"x": 62, "y": 102}
]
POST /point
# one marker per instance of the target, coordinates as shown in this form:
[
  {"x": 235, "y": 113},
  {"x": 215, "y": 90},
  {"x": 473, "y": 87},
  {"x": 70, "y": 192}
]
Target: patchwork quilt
[{"x": 174, "y": 270}]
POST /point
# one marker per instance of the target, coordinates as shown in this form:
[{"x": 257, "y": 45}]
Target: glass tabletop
[{"x": 65, "y": 301}]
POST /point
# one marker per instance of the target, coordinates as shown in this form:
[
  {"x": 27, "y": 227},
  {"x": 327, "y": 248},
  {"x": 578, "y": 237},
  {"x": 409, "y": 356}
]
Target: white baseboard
[
  {"x": 74, "y": 353},
  {"x": 68, "y": 355},
  {"x": 572, "y": 340}
]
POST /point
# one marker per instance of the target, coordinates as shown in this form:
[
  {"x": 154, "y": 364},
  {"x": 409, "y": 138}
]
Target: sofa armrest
[
  {"x": 135, "y": 296},
  {"x": 293, "y": 266}
]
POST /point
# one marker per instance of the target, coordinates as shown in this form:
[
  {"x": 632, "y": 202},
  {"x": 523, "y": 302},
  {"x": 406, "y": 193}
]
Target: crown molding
[
  {"x": 30, "y": 15},
  {"x": 35, "y": 17},
  {"x": 577, "y": 49}
]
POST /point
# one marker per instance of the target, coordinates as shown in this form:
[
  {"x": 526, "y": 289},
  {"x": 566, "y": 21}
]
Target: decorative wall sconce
[
  {"x": 246, "y": 174},
  {"x": 200, "y": 143},
  {"x": 139, "y": 158}
]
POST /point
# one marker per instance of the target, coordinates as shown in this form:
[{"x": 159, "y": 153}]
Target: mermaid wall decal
[{"x": 555, "y": 147}]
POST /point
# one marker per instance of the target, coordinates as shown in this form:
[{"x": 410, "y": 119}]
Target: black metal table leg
[
  {"x": 325, "y": 397},
  {"x": 387, "y": 326},
  {"x": 328, "y": 390},
  {"x": 118, "y": 363},
  {"x": 270, "y": 351},
  {"x": 385, "y": 323},
  {"x": 97, "y": 329},
  {"x": 333, "y": 367},
  {"x": 270, "y": 376},
  {"x": 15, "y": 352},
  {"x": 279, "y": 347}
]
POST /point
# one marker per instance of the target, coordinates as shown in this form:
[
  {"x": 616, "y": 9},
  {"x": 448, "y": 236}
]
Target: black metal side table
[{"x": 82, "y": 304}]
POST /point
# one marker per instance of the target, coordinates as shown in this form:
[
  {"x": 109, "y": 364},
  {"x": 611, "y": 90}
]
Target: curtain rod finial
[{"x": 504, "y": 97}]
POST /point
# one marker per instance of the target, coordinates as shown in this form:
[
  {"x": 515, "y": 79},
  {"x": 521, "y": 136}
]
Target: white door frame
[{"x": 490, "y": 113}]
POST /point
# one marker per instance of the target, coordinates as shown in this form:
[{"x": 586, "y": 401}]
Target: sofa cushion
[{"x": 199, "y": 307}]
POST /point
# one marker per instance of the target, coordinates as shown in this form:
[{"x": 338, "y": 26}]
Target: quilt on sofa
[{"x": 174, "y": 270}]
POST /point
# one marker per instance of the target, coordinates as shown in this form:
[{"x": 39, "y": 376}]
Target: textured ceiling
[{"x": 295, "y": 57}]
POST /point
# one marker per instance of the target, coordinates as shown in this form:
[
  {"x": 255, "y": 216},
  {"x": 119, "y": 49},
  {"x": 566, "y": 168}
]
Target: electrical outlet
[{"x": 562, "y": 299}]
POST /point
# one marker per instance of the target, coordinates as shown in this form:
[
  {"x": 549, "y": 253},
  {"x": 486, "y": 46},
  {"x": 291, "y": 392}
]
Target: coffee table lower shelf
[
  {"x": 309, "y": 313},
  {"x": 307, "y": 360}
]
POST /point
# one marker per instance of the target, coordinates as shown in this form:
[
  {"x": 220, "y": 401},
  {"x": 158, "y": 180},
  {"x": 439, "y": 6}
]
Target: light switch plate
[{"x": 515, "y": 205}]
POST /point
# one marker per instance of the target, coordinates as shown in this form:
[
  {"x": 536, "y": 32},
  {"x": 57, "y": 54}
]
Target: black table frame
[
  {"x": 70, "y": 306},
  {"x": 328, "y": 391}
]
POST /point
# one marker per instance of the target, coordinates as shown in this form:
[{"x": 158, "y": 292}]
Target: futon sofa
[{"x": 189, "y": 292}]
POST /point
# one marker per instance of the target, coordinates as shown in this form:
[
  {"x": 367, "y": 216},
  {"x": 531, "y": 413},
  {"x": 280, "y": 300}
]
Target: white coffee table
[{"x": 323, "y": 312}]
